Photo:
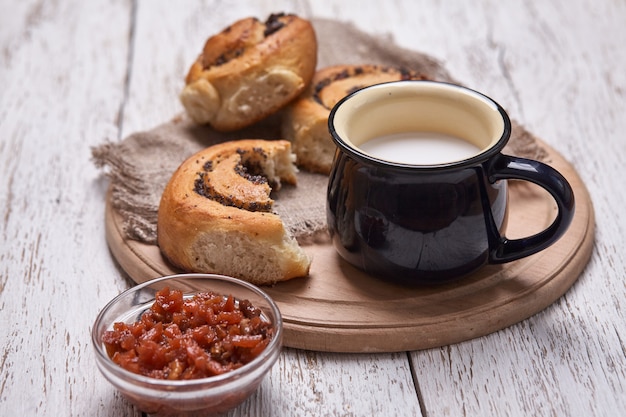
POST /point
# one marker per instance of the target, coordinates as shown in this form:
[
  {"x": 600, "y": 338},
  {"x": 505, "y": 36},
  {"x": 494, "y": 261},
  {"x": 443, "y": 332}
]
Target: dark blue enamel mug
[{"x": 418, "y": 192}]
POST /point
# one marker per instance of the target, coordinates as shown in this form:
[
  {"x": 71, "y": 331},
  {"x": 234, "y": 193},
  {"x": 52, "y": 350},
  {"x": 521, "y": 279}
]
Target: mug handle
[{"x": 503, "y": 167}]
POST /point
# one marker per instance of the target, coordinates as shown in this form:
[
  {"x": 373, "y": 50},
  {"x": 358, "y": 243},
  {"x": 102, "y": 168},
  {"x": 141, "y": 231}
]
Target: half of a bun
[{"x": 215, "y": 213}]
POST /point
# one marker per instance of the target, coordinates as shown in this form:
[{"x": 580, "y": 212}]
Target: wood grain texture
[
  {"x": 73, "y": 74},
  {"x": 558, "y": 79},
  {"x": 62, "y": 84}
]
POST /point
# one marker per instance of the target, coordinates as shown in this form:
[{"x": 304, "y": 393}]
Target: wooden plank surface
[{"x": 76, "y": 73}]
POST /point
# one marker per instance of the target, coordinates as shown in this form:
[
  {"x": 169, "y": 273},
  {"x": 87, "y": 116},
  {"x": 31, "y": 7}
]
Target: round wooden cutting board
[{"x": 340, "y": 309}]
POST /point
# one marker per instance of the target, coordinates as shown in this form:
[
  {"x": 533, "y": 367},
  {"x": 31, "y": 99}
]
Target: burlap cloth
[{"x": 140, "y": 165}]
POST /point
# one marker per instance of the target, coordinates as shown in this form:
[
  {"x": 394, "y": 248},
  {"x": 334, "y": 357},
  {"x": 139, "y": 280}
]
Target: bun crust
[
  {"x": 215, "y": 213},
  {"x": 249, "y": 71},
  {"x": 305, "y": 121}
]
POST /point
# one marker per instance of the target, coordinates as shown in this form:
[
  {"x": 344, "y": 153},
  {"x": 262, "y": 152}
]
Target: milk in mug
[{"x": 420, "y": 148}]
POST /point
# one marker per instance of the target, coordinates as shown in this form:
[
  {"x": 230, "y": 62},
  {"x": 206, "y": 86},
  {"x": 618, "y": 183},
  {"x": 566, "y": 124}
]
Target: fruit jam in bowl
[{"x": 189, "y": 344}]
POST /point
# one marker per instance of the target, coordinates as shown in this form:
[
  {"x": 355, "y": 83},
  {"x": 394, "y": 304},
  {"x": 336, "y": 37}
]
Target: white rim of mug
[{"x": 474, "y": 160}]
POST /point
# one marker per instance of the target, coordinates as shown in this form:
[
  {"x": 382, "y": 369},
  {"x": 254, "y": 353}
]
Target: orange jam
[{"x": 188, "y": 338}]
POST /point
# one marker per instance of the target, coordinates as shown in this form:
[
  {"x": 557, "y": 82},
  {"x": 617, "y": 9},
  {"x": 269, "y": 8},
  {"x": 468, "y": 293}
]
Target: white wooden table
[{"x": 74, "y": 73}]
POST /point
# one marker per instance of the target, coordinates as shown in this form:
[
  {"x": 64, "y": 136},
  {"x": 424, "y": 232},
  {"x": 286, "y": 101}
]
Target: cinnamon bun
[
  {"x": 305, "y": 121},
  {"x": 249, "y": 71},
  {"x": 215, "y": 214}
]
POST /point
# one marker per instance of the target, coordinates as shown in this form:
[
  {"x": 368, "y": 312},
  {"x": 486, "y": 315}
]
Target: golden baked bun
[
  {"x": 305, "y": 121},
  {"x": 215, "y": 213},
  {"x": 249, "y": 71}
]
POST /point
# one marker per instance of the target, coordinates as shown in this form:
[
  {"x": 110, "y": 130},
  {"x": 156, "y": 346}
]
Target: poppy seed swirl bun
[
  {"x": 249, "y": 71},
  {"x": 215, "y": 213},
  {"x": 305, "y": 121}
]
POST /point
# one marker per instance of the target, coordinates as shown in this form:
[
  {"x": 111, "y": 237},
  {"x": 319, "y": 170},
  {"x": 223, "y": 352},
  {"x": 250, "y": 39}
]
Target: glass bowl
[{"x": 215, "y": 394}]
